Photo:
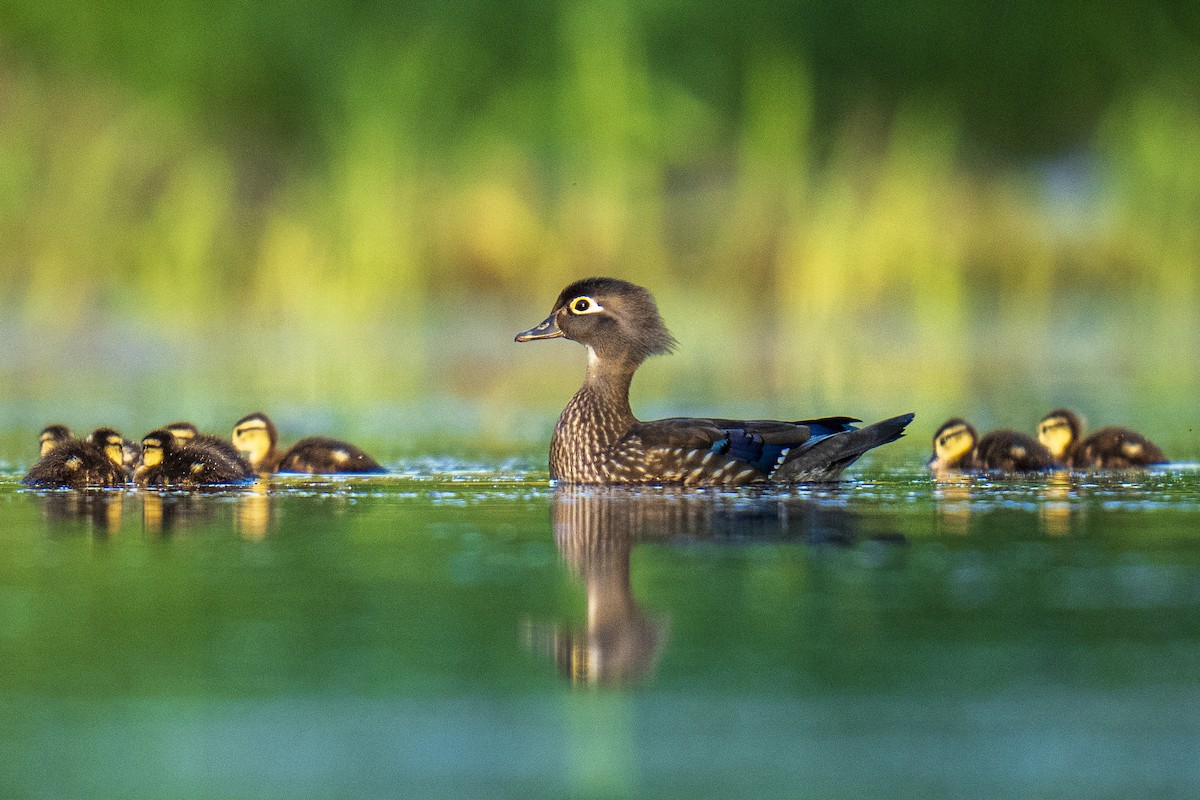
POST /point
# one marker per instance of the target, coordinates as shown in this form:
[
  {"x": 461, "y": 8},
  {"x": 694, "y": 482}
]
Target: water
[{"x": 460, "y": 630}]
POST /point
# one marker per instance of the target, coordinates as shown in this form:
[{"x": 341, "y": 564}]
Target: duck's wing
[{"x": 722, "y": 451}]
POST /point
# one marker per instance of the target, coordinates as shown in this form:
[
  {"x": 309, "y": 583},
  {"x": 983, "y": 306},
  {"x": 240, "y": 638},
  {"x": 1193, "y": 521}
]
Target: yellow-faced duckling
[
  {"x": 168, "y": 462},
  {"x": 256, "y": 437},
  {"x": 957, "y": 446},
  {"x": 116, "y": 447},
  {"x": 598, "y": 440},
  {"x": 51, "y": 436},
  {"x": 187, "y": 433},
  {"x": 78, "y": 463},
  {"x": 1108, "y": 448}
]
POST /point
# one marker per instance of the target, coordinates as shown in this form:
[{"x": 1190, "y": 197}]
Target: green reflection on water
[{"x": 477, "y": 632}]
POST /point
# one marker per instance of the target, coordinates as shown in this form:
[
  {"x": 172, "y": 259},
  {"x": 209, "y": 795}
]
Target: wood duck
[
  {"x": 115, "y": 446},
  {"x": 1108, "y": 448},
  {"x": 78, "y": 463},
  {"x": 188, "y": 433},
  {"x": 51, "y": 436},
  {"x": 957, "y": 446},
  {"x": 168, "y": 462},
  {"x": 598, "y": 440},
  {"x": 255, "y": 436}
]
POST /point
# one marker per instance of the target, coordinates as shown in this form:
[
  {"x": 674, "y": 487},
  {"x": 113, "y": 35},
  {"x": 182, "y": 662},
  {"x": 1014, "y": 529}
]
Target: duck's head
[
  {"x": 953, "y": 443},
  {"x": 183, "y": 431},
  {"x": 1059, "y": 430},
  {"x": 156, "y": 446},
  {"x": 255, "y": 437},
  {"x": 111, "y": 442},
  {"x": 617, "y": 320},
  {"x": 52, "y": 436}
]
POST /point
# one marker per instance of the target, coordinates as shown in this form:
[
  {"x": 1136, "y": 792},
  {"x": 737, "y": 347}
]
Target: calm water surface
[{"x": 478, "y": 633}]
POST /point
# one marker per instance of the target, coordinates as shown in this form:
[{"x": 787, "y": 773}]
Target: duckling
[
  {"x": 76, "y": 463},
  {"x": 186, "y": 432},
  {"x": 954, "y": 446},
  {"x": 598, "y": 440},
  {"x": 957, "y": 446},
  {"x": 115, "y": 446},
  {"x": 1108, "y": 448},
  {"x": 167, "y": 462},
  {"x": 255, "y": 435},
  {"x": 51, "y": 436}
]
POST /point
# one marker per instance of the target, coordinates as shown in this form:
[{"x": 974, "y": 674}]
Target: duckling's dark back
[
  {"x": 75, "y": 464},
  {"x": 1116, "y": 448},
  {"x": 1012, "y": 451},
  {"x": 323, "y": 455}
]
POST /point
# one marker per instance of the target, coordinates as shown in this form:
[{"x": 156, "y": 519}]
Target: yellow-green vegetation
[{"x": 337, "y": 205}]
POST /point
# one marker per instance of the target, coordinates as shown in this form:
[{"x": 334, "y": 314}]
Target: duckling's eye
[{"x": 585, "y": 305}]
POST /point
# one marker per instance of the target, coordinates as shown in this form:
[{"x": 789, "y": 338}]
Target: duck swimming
[
  {"x": 957, "y": 446},
  {"x": 78, "y": 463},
  {"x": 187, "y": 433},
  {"x": 1108, "y": 448},
  {"x": 598, "y": 440},
  {"x": 51, "y": 436},
  {"x": 168, "y": 462},
  {"x": 256, "y": 437}
]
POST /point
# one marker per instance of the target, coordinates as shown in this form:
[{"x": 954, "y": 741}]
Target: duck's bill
[{"x": 548, "y": 329}]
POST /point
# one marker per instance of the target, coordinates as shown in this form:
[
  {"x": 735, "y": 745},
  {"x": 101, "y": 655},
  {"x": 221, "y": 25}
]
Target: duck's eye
[{"x": 585, "y": 305}]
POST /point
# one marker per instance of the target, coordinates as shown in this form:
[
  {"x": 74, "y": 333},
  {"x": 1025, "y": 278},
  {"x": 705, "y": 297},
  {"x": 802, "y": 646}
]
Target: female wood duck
[
  {"x": 51, "y": 436},
  {"x": 255, "y": 436},
  {"x": 168, "y": 462},
  {"x": 957, "y": 446},
  {"x": 1108, "y": 448},
  {"x": 598, "y": 439},
  {"x": 78, "y": 463}
]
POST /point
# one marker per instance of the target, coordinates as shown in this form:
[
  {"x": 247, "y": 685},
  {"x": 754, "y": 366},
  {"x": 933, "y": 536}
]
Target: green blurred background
[{"x": 341, "y": 212}]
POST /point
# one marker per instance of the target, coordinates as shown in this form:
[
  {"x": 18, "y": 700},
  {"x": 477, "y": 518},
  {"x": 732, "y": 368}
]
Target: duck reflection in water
[
  {"x": 164, "y": 513},
  {"x": 596, "y": 530},
  {"x": 98, "y": 509}
]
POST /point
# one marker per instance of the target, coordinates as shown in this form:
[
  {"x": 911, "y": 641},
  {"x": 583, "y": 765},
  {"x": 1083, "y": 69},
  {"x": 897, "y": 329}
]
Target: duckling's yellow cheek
[
  {"x": 115, "y": 453},
  {"x": 47, "y": 446},
  {"x": 949, "y": 449},
  {"x": 152, "y": 456},
  {"x": 1056, "y": 438}
]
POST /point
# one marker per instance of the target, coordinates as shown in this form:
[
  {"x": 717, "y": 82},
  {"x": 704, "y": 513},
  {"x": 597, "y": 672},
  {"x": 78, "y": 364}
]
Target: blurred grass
[{"x": 347, "y": 210}]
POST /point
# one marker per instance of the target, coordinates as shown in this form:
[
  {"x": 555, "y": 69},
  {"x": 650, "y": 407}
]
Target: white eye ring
[{"x": 590, "y": 306}]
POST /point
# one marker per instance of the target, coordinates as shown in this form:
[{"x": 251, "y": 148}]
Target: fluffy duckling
[
  {"x": 76, "y": 463},
  {"x": 256, "y": 437},
  {"x": 1061, "y": 431},
  {"x": 116, "y": 447},
  {"x": 186, "y": 432},
  {"x": 51, "y": 436},
  {"x": 957, "y": 446},
  {"x": 167, "y": 462}
]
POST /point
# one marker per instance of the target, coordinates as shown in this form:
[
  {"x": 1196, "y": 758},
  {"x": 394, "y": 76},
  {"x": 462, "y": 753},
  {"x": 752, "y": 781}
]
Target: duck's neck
[{"x": 594, "y": 420}]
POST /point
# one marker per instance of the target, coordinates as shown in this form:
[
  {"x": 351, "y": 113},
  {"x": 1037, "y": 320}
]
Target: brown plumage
[
  {"x": 599, "y": 440},
  {"x": 256, "y": 437},
  {"x": 188, "y": 433},
  {"x": 1108, "y": 448},
  {"x": 75, "y": 464},
  {"x": 957, "y": 446},
  {"x": 52, "y": 436},
  {"x": 168, "y": 462}
]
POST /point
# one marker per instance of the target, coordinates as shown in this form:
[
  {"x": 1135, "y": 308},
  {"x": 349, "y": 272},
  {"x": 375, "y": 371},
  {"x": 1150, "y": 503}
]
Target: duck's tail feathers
[{"x": 825, "y": 460}]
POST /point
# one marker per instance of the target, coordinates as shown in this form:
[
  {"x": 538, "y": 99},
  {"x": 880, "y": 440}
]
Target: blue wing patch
[
  {"x": 749, "y": 447},
  {"x": 765, "y": 457}
]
